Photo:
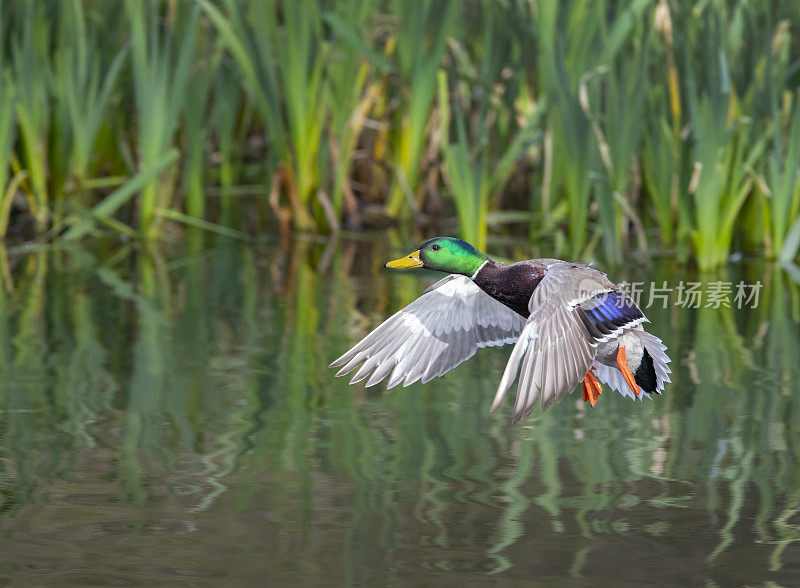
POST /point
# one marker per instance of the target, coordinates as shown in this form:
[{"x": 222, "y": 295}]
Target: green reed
[
  {"x": 354, "y": 88},
  {"x": 574, "y": 152},
  {"x": 416, "y": 50},
  {"x": 781, "y": 187},
  {"x": 619, "y": 132},
  {"x": 725, "y": 144},
  {"x": 195, "y": 130},
  {"x": 493, "y": 122},
  {"x": 477, "y": 168},
  {"x": 161, "y": 59},
  {"x": 283, "y": 69},
  {"x": 226, "y": 106},
  {"x": 85, "y": 75},
  {"x": 302, "y": 52},
  {"x": 231, "y": 117},
  {"x": 7, "y": 136},
  {"x": 660, "y": 161},
  {"x": 30, "y": 65}
]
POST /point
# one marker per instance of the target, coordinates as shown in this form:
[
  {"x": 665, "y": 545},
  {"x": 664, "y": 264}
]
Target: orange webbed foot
[
  {"x": 622, "y": 363},
  {"x": 591, "y": 388}
]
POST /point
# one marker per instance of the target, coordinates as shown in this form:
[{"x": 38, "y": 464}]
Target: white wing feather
[{"x": 432, "y": 335}]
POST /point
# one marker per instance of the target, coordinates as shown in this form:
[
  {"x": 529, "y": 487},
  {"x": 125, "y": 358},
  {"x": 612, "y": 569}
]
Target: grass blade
[{"x": 121, "y": 195}]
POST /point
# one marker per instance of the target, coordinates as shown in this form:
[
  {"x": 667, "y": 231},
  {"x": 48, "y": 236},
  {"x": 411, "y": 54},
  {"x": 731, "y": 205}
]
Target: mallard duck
[{"x": 568, "y": 322}]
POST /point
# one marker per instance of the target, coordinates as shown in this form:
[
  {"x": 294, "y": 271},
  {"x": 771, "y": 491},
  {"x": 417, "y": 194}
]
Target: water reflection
[{"x": 171, "y": 416}]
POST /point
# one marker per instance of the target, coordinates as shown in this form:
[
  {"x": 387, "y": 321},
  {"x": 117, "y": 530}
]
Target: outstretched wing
[
  {"x": 572, "y": 309},
  {"x": 432, "y": 335}
]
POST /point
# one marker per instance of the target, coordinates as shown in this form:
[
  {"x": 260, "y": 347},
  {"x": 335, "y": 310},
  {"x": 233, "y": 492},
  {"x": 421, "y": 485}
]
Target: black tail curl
[{"x": 645, "y": 374}]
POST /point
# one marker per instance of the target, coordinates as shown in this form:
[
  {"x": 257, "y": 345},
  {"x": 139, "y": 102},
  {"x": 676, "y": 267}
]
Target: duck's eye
[{"x": 436, "y": 247}]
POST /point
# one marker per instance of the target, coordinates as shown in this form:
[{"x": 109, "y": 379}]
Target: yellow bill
[{"x": 409, "y": 261}]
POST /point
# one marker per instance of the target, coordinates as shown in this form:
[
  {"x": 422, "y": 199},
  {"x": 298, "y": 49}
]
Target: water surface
[{"x": 169, "y": 417}]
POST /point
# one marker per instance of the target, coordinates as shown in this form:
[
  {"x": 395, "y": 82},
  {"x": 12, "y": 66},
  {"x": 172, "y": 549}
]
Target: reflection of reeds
[
  {"x": 26, "y": 406},
  {"x": 84, "y": 386},
  {"x": 206, "y": 375}
]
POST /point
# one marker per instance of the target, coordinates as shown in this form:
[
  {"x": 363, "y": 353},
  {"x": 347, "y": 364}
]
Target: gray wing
[
  {"x": 556, "y": 347},
  {"x": 432, "y": 335}
]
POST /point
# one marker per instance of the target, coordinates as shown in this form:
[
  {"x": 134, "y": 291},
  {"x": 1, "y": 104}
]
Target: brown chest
[{"x": 511, "y": 284}]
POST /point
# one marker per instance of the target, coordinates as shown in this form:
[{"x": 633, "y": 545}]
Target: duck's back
[{"x": 512, "y": 284}]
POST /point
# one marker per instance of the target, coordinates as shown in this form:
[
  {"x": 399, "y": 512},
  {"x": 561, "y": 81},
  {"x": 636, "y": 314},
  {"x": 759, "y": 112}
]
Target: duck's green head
[{"x": 444, "y": 254}]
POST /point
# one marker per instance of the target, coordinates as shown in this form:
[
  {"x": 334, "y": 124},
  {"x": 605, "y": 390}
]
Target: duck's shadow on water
[{"x": 180, "y": 404}]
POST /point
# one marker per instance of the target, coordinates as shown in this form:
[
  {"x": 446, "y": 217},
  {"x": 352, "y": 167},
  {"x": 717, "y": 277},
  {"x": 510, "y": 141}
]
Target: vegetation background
[
  {"x": 592, "y": 127},
  {"x": 166, "y": 411}
]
